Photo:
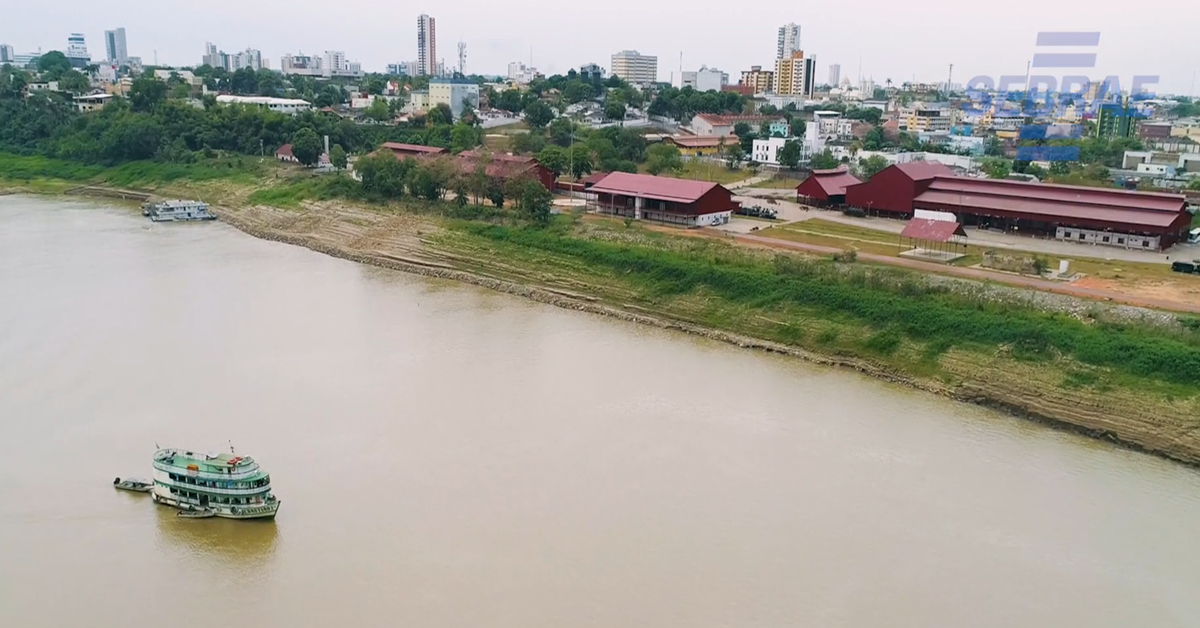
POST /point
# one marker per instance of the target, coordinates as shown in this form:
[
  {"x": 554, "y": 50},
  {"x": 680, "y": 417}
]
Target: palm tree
[{"x": 888, "y": 83}]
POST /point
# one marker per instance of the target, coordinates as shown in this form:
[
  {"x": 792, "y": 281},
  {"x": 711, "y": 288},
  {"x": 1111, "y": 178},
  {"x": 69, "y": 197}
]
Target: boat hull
[{"x": 259, "y": 511}]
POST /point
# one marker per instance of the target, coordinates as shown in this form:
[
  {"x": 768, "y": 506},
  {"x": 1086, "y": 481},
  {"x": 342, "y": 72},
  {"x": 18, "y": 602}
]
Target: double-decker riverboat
[
  {"x": 231, "y": 486},
  {"x": 177, "y": 210}
]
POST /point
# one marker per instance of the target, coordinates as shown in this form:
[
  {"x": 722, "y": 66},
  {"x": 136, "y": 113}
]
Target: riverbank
[{"x": 567, "y": 268}]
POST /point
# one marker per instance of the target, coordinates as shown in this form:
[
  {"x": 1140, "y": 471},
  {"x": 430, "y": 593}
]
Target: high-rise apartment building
[
  {"x": 635, "y": 67},
  {"x": 794, "y": 75},
  {"x": 427, "y": 45},
  {"x": 761, "y": 80},
  {"x": 248, "y": 58},
  {"x": 77, "y": 52},
  {"x": 114, "y": 45},
  {"x": 789, "y": 41},
  {"x": 835, "y": 74},
  {"x": 7, "y": 55}
]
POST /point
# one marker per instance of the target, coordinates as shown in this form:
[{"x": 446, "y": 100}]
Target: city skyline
[{"x": 889, "y": 45}]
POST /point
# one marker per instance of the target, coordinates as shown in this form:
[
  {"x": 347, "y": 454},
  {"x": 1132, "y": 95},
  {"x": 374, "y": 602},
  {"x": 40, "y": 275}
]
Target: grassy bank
[
  {"x": 895, "y": 303},
  {"x": 1129, "y": 381},
  {"x": 33, "y": 170}
]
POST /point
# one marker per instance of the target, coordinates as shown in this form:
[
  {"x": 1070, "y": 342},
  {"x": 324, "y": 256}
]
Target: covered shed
[
  {"x": 681, "y": 202},
  {"x": 826, "y": 187},
  {"x": 1102, "y": 216},
  {"x": 933, "y": 240},
  {"x": 892, "y": 190}
]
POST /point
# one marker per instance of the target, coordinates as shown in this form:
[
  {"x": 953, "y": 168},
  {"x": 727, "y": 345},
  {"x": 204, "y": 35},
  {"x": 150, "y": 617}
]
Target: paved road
[{"x": 966, "y": 273}]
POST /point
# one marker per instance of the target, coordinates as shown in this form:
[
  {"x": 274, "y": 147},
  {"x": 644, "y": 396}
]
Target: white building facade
[
  {"x": 703, "y": 80},
  {"x": 290, "y": 106},
  {"x": 114, "y": 45},
  {"x": 77, "y": 52},
  {"x": 789, "y": 40},
  {"x": 635, "y": 67},
  {"x": 457, "y": 93},
  {"x": 767, "y": 151}
]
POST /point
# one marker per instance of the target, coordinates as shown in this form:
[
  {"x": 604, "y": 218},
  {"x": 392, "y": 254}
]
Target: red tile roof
[
  {"x": 1055, "y": 203},
  {"x": 500, "y": 165},
  {"x": 412, "y": 149},
  {"x": 658, "y": 188},
  {"x": 284, "y": 151},
  {"x": 932, "y": 230}
]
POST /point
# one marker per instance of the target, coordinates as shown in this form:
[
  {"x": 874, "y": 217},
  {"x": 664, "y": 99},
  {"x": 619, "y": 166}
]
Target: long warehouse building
[{"x": 1102, "y": 216}]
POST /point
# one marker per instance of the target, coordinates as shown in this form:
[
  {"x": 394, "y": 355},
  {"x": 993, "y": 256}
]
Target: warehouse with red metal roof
[
  {"x": 826, "y": 187},
  {"x": 667, "y": 200},
  {"x": 1103, "y": 216}
]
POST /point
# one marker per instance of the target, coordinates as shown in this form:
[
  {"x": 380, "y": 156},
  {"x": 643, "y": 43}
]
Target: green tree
[
  {"x": 146, "y": 93},
  {"x": 440, "y": 115},
  {"x": 789, "y": 154},
  {"x": 378, "y": 110},
  {"x": 996, "y": 168},
  {"x": 561, "y": 131},
  {"x": 799, "y": 126},
  {"x": 531, "y": 198},
  {"x": 52, "y": 65},
  {"x": 527, "y": 143},
  {"x": 580, "y": 161},
  {"x": 871, "y": 166},
  {"x": 1060, "y": 168},
  {"x": 538, "y": 115},
  {"x": 463, "y": 137},
  {"x": 306, "y": 146},
  {"x": 73, "y": 81},
  {"x": 663, "y": 157},
  {"x": 554, "y": 158},
  {"x": 1194, "y": 184},
  {"x": 337, "y": 157},
  {"x": 614, "y": 111},
  {"x": 734, "y": 155}
]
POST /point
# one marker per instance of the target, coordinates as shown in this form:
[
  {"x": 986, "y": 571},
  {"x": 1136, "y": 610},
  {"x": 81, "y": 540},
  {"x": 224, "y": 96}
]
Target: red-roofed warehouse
[
  {"x": 1104, "y": 216},
  {"x": 663, "y": 199},
  {"x": 826, "y": 187}
]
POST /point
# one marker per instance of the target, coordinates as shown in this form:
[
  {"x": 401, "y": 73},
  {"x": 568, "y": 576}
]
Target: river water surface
[{"x": 452, "y": 457}]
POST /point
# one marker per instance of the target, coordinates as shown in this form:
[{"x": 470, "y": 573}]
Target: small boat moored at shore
[
  {"x": 228, "y": 485},
  {"x": 133, "y": 485},
  {"x": 177, "y": 210}
]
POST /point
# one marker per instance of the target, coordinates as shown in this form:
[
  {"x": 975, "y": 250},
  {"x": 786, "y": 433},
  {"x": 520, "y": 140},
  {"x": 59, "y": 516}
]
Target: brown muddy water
[{"x": 448, "y": 456}]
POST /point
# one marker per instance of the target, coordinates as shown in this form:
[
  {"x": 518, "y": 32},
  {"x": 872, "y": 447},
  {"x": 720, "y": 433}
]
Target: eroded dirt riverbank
[{"x": 1147, "y": 421}]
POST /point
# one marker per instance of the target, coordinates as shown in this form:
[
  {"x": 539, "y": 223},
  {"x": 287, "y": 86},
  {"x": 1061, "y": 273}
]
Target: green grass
[
  {"x": 895, "y": 303},
  {"x": 296, "y": 191},
  {"x": 131, "y": 174}
]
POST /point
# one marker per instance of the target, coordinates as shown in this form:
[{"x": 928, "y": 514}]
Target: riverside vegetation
[
  {"x": 1128, "y": 381},
  {"x": 1131, "y": 382}
]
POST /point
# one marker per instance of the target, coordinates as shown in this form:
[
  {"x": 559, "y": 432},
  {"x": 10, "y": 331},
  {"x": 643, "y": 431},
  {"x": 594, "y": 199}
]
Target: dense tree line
[
  {"x": 150, "y": 125},
  {"x": 682, "y": 104}
]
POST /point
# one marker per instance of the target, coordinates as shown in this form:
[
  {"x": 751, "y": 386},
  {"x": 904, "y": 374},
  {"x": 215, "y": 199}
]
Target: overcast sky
[{"x": 897, "y": 40}]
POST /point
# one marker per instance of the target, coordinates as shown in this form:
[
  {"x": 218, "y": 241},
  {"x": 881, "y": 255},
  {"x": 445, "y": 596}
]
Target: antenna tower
[{"x": 462, "y": 58}]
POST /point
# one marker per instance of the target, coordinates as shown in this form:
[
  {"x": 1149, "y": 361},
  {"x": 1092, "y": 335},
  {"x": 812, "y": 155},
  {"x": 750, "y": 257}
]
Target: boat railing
[{"x": 237, "y": 474}]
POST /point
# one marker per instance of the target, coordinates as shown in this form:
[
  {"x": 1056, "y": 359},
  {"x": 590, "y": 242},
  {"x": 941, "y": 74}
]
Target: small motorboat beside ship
[{"x": 133, "y": 485}]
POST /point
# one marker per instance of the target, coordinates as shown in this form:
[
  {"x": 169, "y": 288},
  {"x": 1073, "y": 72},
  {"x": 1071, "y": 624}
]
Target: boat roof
[{"x": 206, "y": 462}]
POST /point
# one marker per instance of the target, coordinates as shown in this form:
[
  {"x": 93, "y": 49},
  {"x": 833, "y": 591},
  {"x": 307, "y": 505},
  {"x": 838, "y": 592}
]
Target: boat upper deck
[{"x": 223, "y": 464}]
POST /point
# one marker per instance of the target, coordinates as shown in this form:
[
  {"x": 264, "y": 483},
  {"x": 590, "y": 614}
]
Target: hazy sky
[{"x": 897, "y": 40}]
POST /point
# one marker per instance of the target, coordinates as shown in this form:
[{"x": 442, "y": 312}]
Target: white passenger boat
[
  {"x": 177, "y": 210},
  {"x": 231, "y": 486}
]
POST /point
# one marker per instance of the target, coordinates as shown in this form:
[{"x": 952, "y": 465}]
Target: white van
[{"x": 1194, "y": 236}]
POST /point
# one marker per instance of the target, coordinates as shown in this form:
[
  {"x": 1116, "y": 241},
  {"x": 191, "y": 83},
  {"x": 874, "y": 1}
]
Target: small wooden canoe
[{"x": 197, "y": 514}]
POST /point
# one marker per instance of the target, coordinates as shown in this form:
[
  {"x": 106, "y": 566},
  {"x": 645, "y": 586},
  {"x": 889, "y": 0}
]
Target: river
[{"x": 449, "y": 456}]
